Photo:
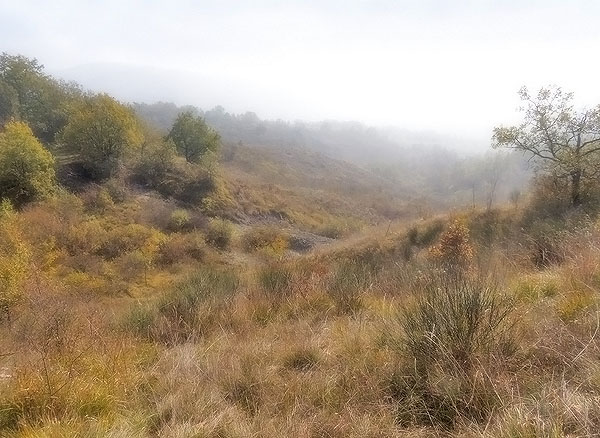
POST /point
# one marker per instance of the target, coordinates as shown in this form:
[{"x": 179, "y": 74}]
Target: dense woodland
[{"x": 172, "y": 272}]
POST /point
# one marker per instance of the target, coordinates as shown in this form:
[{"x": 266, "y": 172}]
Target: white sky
[{"x": 448, "y": 66}]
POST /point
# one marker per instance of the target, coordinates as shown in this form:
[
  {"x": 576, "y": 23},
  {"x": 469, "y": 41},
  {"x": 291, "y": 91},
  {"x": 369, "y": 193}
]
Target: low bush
[
  {"x": 219, "y": 233},
  {"x": 179, "y": 247},
  {"x": 180, "y": 220},
  {"x": 269, "y": 239}
]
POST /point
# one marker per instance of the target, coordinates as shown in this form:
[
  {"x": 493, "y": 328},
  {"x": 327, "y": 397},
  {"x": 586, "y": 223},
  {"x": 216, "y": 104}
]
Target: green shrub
[
  {"x": 219, "y": 233},
  {"x": 26, "y": 167},
  {"x": 265, "y": 238},
  {"x": 180, "y": 220}
]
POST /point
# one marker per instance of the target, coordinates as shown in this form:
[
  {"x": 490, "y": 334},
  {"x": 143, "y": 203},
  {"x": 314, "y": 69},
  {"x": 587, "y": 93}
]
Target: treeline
[{"x": 53, "y": 132}]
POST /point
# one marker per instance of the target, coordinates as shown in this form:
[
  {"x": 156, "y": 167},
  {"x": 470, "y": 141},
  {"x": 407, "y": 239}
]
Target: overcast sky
[{"x": 447, "y": 66}]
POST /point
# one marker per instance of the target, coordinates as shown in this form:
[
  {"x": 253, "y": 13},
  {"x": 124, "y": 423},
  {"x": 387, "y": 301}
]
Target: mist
[{"x": 418, "y": 66}]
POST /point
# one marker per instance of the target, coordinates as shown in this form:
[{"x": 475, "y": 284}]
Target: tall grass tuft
[{"x": 449, "y": 335}]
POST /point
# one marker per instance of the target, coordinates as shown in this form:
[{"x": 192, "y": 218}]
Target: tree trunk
[{"x": 576, "y": 188}]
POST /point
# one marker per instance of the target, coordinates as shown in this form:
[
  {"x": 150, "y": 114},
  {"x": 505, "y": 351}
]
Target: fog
[{"x": 451, "y": 69}]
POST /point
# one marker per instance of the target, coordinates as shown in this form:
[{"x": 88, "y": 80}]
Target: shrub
[
  {"x": 188, "y": 183},
  {"x": 15, "y": 257},
  {"x": 126, "y": 238},
  {"x": 180, "y": 220},
  {"x": 268, "y": 239},
  {"x": 156, "y": 163},
  {"x": 219, "y": 233},
  {"x": 26, "y": 168},
  {"x": 102, "y": 131},
  {"x": 425, "y": 236},
  {"x": 453, "y": 251},
  {"x": 179, "y": 246},
  {"x": 103, "y": 201}
]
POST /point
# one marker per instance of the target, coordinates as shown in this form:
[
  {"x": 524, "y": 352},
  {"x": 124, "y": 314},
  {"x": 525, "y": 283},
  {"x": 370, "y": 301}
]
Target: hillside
[{"x": 168, "y": 282}]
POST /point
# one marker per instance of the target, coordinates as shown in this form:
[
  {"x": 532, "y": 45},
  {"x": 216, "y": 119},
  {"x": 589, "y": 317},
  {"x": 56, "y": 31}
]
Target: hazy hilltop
[{"x": 412, "y": 164}]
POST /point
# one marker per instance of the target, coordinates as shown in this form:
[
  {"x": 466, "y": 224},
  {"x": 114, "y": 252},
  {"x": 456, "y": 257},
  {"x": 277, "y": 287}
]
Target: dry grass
[{"x": 127, "y": 329}]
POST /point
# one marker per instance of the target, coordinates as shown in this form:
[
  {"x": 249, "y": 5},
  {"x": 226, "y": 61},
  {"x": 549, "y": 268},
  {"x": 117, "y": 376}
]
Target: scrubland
[
  {"x": 171, "y": 284},
  {"x": 134, "y": 317}
]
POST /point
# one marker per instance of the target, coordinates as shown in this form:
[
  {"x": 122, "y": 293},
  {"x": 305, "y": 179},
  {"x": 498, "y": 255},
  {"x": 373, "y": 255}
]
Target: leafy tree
[
  {"x": 156, "y": 162},
  {"x": 9, "y": 102},
  {"x": 102, "y": 130},
  {"x": 193, "y": 137},
  {"x": 41, "y": 101},
  {"x": 562, "y": 141},
  {"x": 26, "y": 168}
]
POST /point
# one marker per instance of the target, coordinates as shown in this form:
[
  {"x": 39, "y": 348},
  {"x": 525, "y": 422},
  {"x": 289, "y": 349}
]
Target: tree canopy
[
  {"x": 561, "y": 140},
  {"x": 26, "y": 167},
  {"x": 193, "y": 137},
  {"x": 27, "y": 93},
  {"x": 102, "y": 131}
]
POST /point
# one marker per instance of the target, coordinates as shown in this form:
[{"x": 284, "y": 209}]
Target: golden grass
[{"x": 231, "y": 344}]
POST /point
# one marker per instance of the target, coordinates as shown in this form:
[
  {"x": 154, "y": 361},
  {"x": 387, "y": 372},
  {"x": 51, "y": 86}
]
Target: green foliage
[
  {"x": 219, "y": 233},
  {"x": 9, "y": 103},
  {"x": 102, "y": 131},
  {"x": 193, "y": 138},
  {"x": 26, "y": 168},
  {"x": 563, "y": 142},
  {"x": 267, "y": 238},
  {"x": 180, "y": 219},
  {"x": 156, "y": 163},
  {"x": 27, "y": 93}
]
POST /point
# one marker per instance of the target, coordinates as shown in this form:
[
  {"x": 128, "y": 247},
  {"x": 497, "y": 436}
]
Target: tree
[
  {"x": 193, "y": 137},
  {"x": 41, "y": 101},
  {"x": 561, "y": 141},
  {"x": 102, "y": 131},
  {"x": 9, "y": 102},
  {"x": 26, "y": 168}
]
